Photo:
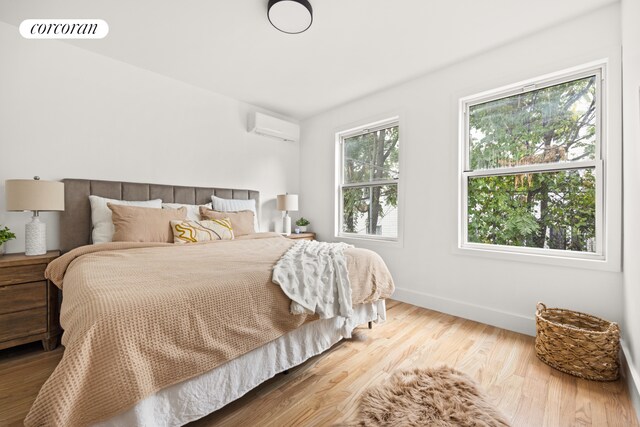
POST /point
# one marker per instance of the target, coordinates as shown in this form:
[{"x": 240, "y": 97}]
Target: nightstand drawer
[
  {"x": 23, "y": 323},
  {"x": 23, "y": 296},
  {"x": 21, "y": 274}
]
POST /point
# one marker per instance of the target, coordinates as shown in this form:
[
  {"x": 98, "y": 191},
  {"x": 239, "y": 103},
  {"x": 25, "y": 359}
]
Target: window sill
[
  {"x": 370, "y": 239},
  {"x": 594, "y": 262}
]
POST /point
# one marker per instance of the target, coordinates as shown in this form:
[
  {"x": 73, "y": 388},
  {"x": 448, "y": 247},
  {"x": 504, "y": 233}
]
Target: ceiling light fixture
[{"x": 290, "y": 16}]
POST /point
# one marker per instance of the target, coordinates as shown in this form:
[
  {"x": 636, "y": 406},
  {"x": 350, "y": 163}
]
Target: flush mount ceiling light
[{"x": 290, "y": 16}]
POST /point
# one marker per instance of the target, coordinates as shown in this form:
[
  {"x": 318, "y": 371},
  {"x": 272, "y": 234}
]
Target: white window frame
[
  {"x": 340, "y": 136},
  {"x": 599, "y": 70}
]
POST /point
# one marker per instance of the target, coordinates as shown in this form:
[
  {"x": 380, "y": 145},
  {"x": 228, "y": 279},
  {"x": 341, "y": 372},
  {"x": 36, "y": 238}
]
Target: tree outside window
[
  {"x": 531, "y": 167},
  {"x": 369, "y": 182}
]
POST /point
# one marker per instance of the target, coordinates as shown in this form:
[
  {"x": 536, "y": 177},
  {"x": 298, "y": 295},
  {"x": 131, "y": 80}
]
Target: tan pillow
[
  {"x": 241, "y": 221},
  {"x": 136, "y": 224}
]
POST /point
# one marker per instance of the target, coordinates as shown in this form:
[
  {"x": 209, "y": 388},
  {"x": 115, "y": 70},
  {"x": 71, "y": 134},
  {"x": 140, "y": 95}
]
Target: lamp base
[
  {"x": 35, "y": 237},
  {"x": 286, "y": 225}
]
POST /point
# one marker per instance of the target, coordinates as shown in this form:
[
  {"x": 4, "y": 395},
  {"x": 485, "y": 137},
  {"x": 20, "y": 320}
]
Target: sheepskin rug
[{"x": 428, "y": 397}]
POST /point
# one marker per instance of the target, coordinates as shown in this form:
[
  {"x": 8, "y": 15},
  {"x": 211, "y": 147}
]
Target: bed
[{"x": 163, "y": 334}]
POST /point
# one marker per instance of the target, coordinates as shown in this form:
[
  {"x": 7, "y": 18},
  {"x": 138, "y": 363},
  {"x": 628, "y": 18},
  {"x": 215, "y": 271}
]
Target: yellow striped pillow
[{"x": 201, "y": 231}]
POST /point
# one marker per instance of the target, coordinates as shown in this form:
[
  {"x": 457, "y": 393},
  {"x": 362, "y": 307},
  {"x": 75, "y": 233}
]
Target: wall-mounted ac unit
[{"x": 263, "y": 124}]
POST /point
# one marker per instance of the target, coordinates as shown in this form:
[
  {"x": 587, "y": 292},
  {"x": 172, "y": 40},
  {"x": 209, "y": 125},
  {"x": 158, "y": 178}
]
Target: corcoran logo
[{"x": 64, "y": 28}]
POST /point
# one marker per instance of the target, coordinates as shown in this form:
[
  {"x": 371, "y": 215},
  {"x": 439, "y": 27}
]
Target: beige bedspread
[{"x": 141, "y": 317}]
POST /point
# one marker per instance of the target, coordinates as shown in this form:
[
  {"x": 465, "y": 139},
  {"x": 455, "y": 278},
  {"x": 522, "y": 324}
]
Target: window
[
  {"x": 531, "y": 172},
  {"x": 368, "y": 176}
]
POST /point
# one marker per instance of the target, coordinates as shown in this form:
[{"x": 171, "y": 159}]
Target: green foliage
[
  {"x": 369, "y": 158},
  {"x": 544, "y": 126},
  {"x": 553, "y": 210},
  {"x": 6, "y": 235},
  {"x": 302, "y": 222}
]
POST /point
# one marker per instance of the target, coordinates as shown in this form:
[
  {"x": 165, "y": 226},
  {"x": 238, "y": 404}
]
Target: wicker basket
[{"x": 577, "y": 343}]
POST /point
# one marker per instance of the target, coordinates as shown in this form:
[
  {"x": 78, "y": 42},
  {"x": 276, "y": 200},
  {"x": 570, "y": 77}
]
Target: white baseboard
[
  {"x": 502, "y": 319},
  {"x": 631, "y": 376}
]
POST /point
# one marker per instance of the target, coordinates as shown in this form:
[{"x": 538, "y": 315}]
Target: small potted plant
[
  {"x": 5, "y": 236},
  {"x": 302, "y": 224}
]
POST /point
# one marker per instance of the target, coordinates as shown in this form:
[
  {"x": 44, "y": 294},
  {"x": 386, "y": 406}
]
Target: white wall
[
  {"x": 69, "y": 113},
  {"x": 427, "y": 269},
  {"x": 631, "y": 137}
]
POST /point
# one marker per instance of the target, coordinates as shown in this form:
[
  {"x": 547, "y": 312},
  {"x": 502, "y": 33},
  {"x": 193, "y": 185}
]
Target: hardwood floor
[{"x": 325, "y": 389}]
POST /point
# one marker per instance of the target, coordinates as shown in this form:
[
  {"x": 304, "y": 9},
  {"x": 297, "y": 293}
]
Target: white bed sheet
[{"x": 199, "y": 396}]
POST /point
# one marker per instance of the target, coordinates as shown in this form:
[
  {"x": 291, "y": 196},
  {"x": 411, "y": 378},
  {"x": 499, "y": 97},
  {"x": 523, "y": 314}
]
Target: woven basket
[{"x": 577, "y": 343}]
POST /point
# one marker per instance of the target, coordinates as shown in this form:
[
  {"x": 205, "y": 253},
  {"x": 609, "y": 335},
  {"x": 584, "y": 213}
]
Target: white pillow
[
  {"x": 233, "y": 205},
  {"x": 101, "y": 216},
  {"x": 193, "y": 211}
]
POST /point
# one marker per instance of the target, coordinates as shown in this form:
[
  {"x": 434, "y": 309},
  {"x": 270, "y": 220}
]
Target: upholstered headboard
[{"x": 75, "y": 221}]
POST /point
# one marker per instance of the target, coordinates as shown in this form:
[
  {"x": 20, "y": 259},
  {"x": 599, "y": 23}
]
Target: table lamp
[
  {"x": 287, "y": 202},
  {"x": 34, "y": 195}
]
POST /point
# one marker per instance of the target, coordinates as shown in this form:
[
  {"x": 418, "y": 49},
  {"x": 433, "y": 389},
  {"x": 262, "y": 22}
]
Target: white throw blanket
[{"x": 314, "y": 275}]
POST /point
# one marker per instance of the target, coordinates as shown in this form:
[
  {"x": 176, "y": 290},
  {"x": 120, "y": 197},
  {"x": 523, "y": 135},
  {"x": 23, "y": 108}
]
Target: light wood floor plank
[{"x": 325, "y": 390}]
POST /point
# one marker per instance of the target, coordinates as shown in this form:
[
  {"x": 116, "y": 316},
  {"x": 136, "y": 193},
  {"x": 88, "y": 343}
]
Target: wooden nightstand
[
  {"x": 302, "y": 236},
  {"x": 29, "y": 309}
]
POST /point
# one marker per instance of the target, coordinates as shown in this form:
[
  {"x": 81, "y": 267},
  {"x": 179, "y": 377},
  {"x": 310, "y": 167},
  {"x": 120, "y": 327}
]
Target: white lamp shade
[
  {"x": 287, "y": 202},
  {"x": 34, "y": 195}
]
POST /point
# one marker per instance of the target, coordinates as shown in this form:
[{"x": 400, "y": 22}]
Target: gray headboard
[{"x": 75, "y": 221}]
